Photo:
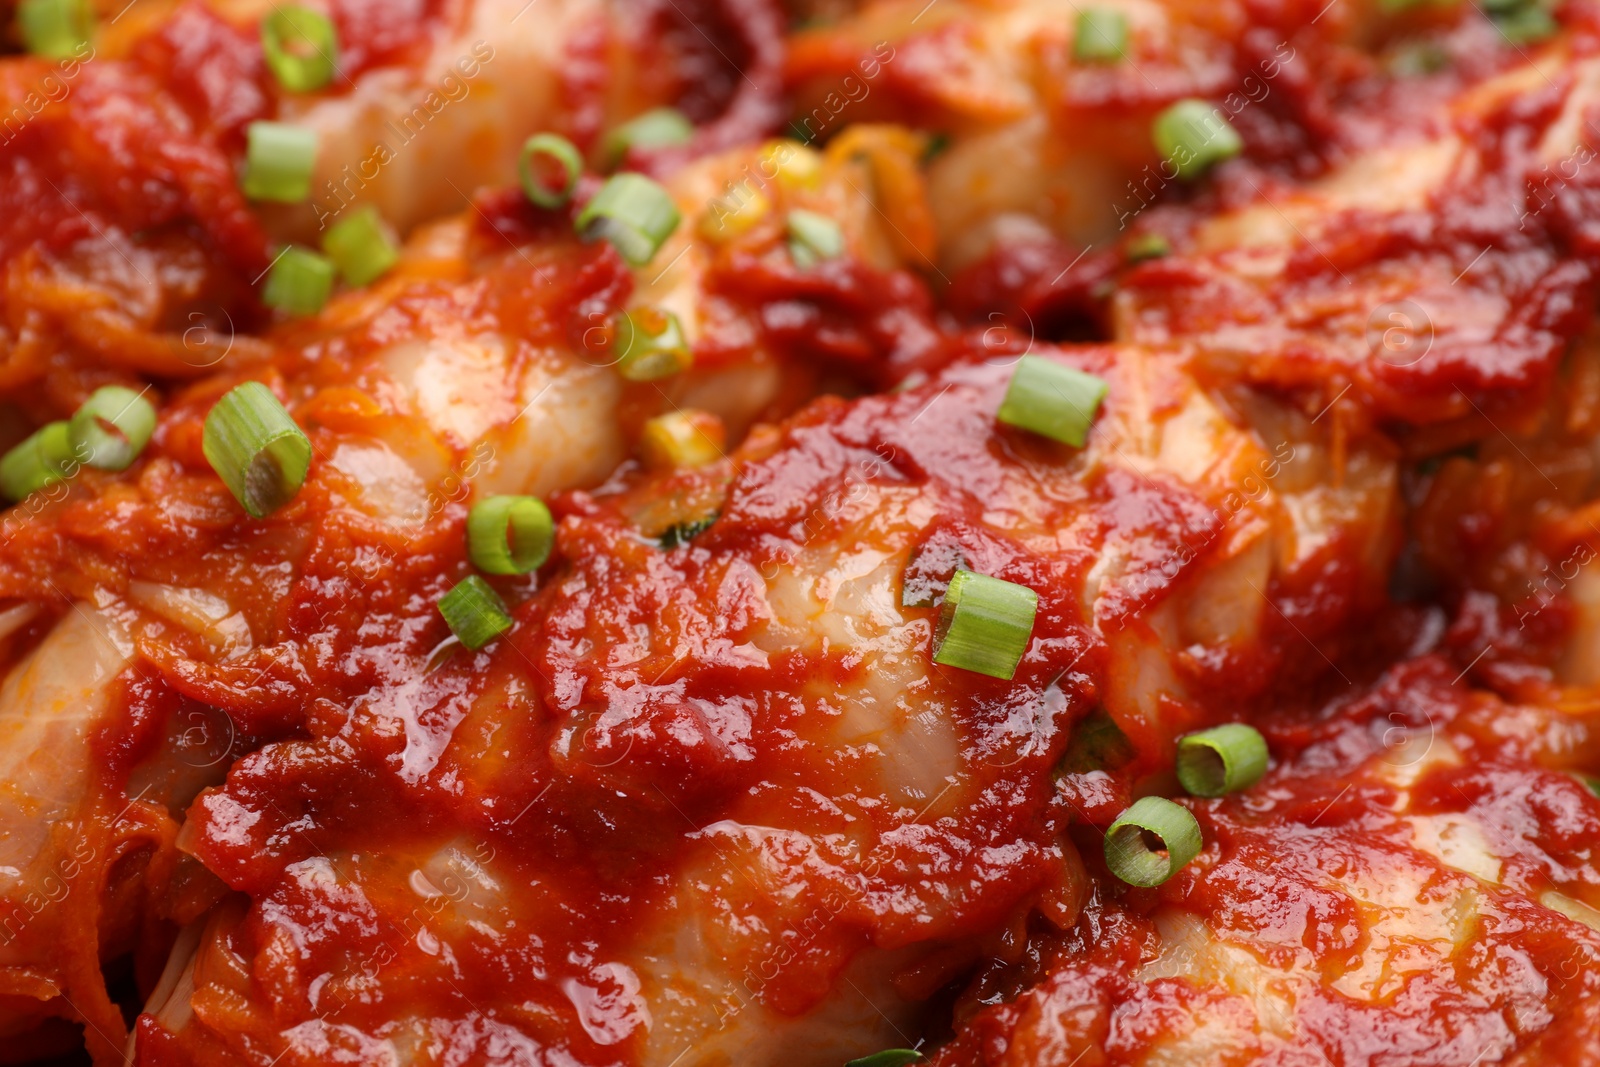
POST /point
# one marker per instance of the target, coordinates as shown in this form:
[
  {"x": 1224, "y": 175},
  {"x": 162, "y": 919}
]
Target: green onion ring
[
  {"x": 474, "y": 612},
  {"x": 1129, "y": 852},
  {"x": 256, "y": 449},
  {"x": 984, "y": 624},
  {"x": 509, "y": 534},
  {"x": 112, "y": 427},
  {"x": 1223, "y": 759},
  {"x": 301, "y": 47},
  {"x": 563, "y": 154}
]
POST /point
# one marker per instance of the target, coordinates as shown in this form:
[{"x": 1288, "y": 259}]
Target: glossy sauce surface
[{"x": 710, "y": 800}]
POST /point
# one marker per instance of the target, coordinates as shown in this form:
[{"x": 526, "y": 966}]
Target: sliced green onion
[
  {"x": 889, "y": 1057},
  {"x": 57, "y": 29},
  {"x": 684, "y": 532},
  {"x": 546, "y": 156},
  {"x": 681, "y": 439},
  {"x": 1224, "y": 759},
  {"x": 112, "y": 427},
  {"x": 652, "y": 345},
  {"x": 474, "y": 612},
  {"x": 1193, "y": 136},
  {"x": 300, "y": 282},
  {"x": 41, "y": 459},
  {"x": 1052, "y": 400},
  {"x": 256, "y": 448},
  {"x": 278, "y": 162},
  {"x": 985, "y": 624},
  {"x": 813, "y": 237},
  {"x": 1152, "y": 841},
  {"x": 1418, "y": 59},
  {"x": 1526, "y": 24},
  {"x": 659, "y": 128},
  {"x": 301, "y": 47},
  {"x": 1097, "y": 744},
  {"x": 632, "y": 212},
  {"x": 1147, "y": 246},
  {"x": 360, "y": 246},
  {"x": 509, "y": 534},
  {"x": 1101, "y": 35}
]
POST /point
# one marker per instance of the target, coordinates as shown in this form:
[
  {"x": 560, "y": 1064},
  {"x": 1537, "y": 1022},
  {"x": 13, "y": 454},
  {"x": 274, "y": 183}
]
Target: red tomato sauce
[{"x": 1270, "y": 877}]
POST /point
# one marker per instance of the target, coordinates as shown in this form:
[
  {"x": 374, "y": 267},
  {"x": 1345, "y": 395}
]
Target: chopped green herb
[
  {"x": 684, "y": 532},
  {"x": 1152, "y": 841},
  {"x": 889, "y": 1057},
  {"x": 985, "y": 624},
  {"x": 659, "y": 128},
  {"x": 1526, "y": 25},
  {"x": 45, "y": 457},
  {"x": 812, "y": 238},
  {"x": 1101, "y": 35},
  {"x": 59, "y": 29},
  {"x": 256, "y": 448},
  {"x": 474, "y": 612},
  {"x": 1193, "y": 136},
  {"x": 1418, "y": 59},
  {"x": 1146, "y": 246},
  {"x": 1221, "y": 760},
  {"x": 1050, "y": 399},
  {"x": 1097, "y": 744}
]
